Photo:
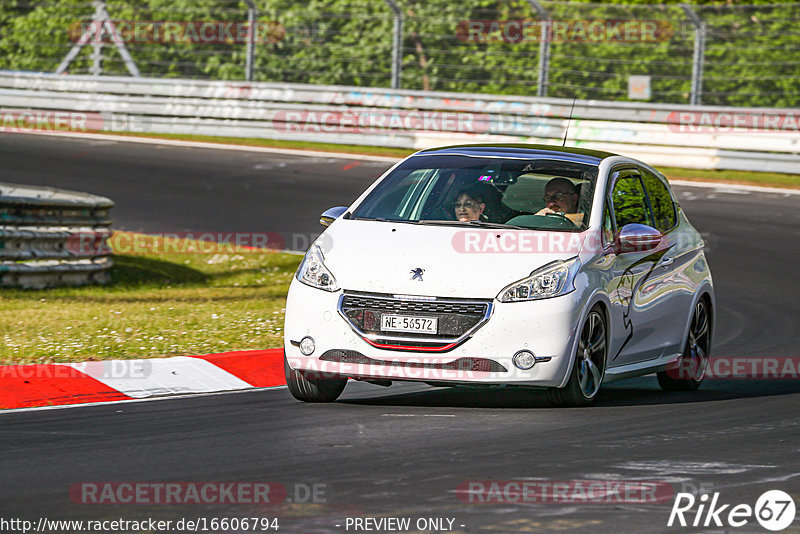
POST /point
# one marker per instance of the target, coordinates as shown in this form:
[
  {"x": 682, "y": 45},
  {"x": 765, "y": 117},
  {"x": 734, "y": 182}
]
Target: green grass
[
  {"x": 157, "y": 305},
  {"x": 769, "y": 179}
]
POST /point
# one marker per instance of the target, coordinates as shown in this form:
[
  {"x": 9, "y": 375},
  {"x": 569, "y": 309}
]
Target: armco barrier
[
  {"x": 51, "y": 237},
  {"x": 662, "y": 134}
]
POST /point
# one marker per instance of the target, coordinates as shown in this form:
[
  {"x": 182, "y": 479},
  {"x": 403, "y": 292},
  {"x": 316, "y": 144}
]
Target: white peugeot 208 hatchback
[{"x": 513, "y": 265}]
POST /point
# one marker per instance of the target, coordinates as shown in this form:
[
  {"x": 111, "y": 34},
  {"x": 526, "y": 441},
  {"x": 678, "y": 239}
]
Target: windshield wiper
[
  {"x": 486, "y": 224},
  {"x": 481, "y": 224},
  {"x": 381, "y": 219},
  {"x": 434, "y": 222},
  {"x": 384, "y": 219}
]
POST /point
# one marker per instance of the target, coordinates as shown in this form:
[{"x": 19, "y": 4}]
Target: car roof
[{"x": 508, "y": 150}]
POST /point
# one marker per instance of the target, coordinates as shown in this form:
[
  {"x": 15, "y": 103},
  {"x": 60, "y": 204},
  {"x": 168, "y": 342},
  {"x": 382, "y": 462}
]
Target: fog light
[
  {"x": 307, "y": 346},
  {"x": 524, "y": 359}
]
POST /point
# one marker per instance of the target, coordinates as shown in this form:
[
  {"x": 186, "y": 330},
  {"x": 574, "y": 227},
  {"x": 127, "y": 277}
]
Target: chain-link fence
[{"x": 710, "y": 53}]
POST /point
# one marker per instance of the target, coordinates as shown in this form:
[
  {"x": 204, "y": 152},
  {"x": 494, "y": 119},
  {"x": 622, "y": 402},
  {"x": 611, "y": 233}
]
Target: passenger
[
  {"x": 561, "y": 197},
  {"x": 469, "y": 206}
]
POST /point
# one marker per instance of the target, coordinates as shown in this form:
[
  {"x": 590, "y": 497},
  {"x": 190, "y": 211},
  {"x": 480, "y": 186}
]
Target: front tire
[
  {"x": 590, "y": 363},
  {"x": 693, "y": 363},
  {"x": 323, "y": 389}
]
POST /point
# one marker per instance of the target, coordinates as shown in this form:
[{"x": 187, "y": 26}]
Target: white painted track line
[
  {"x": 129, "y": 401},
  {"x": 736, "y": 187},
  {"x": 216, "y": 146},
  {"x": 168, "y": 376}
]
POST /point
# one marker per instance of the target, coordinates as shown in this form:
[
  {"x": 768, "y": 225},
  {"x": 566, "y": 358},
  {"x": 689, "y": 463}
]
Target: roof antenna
[{"x": 569, "y": 119}]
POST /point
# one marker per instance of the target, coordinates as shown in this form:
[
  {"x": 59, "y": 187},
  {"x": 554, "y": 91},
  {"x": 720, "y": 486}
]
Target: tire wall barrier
[{"x": 53, "y": 237}]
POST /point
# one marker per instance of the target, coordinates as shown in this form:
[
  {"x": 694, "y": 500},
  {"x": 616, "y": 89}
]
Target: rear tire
[
  {"x": 322, "y": 389},
  {"x": 589, "y": 366},
  {"x": 693, "y": 363}
]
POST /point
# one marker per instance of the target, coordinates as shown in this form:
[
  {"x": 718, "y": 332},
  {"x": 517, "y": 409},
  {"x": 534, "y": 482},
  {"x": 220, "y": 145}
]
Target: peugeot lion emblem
[{"x": 417, "y": 273}]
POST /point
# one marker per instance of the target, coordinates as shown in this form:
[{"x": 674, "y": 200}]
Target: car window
[
  {"x": 527, "y": 194},
  {"x": 660, "y": 201},
  {"x": 608, "y": 226},
  {"x": 402, "y": 198},
  {"x": 425, "y": 190},
  {"x": 630, "y": 203}
]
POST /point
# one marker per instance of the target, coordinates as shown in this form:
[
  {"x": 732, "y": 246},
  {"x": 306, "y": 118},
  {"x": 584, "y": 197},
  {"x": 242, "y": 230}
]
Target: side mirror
[
  {"x": 637, "y": 238},
  {"x": 330, "y": 215}
]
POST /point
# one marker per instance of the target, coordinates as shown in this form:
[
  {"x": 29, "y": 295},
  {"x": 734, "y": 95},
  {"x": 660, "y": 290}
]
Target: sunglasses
[
  {"x": 556, "y": 196},
  {"x": 467, "y": 205}
]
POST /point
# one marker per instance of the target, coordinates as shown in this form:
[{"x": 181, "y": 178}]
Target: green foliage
[
  {"x": 629, "y": 202},
  {"x": 660, "y": 202},
  {"x": 752, "y": 54}
]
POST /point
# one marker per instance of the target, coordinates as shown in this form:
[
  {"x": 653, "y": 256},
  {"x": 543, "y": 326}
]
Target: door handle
[{"x": 666, "y": 262}]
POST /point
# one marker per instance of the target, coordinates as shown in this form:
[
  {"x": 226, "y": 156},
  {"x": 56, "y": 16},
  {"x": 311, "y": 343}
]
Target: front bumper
[{"x": 546, "y": 327}]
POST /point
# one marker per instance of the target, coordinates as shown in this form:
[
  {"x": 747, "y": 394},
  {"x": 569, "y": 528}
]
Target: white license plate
[{"x": 407, "y": 323}]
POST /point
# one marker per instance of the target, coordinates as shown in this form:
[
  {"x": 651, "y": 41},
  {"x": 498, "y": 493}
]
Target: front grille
[
  {"x": 456, "y": 318},
  {"x": 395, "y": 305},
  {"x": 461, "y": 364}
]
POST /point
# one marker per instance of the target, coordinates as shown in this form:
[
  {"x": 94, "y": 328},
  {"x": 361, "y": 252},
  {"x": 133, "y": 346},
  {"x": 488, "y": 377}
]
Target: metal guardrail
[
  {"x": 51, "y": 237},
  {"x": 659, "y": 133}
]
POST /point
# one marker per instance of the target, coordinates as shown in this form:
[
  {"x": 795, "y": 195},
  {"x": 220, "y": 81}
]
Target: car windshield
[{"x": 530, "y": 193}]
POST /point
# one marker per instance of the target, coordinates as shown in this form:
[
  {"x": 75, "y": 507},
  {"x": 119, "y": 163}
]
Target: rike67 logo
[{"x": 774, "y": 510}]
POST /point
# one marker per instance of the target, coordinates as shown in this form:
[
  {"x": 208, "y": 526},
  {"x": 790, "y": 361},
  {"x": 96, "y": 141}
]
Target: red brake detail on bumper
[{"x": 410, "y": 348}]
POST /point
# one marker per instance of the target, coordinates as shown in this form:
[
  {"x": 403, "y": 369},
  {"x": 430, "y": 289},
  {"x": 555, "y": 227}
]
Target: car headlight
[
  {"x": 312, "y": 271},
  {"x": 552, "y": 280}
]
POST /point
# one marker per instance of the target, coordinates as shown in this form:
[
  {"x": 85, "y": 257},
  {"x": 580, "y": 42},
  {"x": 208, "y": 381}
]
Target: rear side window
[
  {"x": 660, "y": 201},
  {"x": 608, "y": 226},
  {"x": 630, "y": 203}
]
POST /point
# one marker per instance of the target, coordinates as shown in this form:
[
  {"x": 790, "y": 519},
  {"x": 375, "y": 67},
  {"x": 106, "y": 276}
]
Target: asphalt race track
[{"x": 403, "y": 451}]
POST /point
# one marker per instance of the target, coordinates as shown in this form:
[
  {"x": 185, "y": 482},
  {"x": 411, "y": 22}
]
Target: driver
[
  {"x": 561, "y": 197},
  {"x": 469, "y": 206}
]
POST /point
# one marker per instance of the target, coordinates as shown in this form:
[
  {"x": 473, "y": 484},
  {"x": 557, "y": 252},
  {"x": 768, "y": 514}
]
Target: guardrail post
[
  {"x": 544, "y": 48},
  {"x": 251, "y": 42},
  {"x": 397, "y": 43},
  {"x": 699, "y": 54},
  {"x": 101, "y": 24},
  {"x": 97, "y": 44}
]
